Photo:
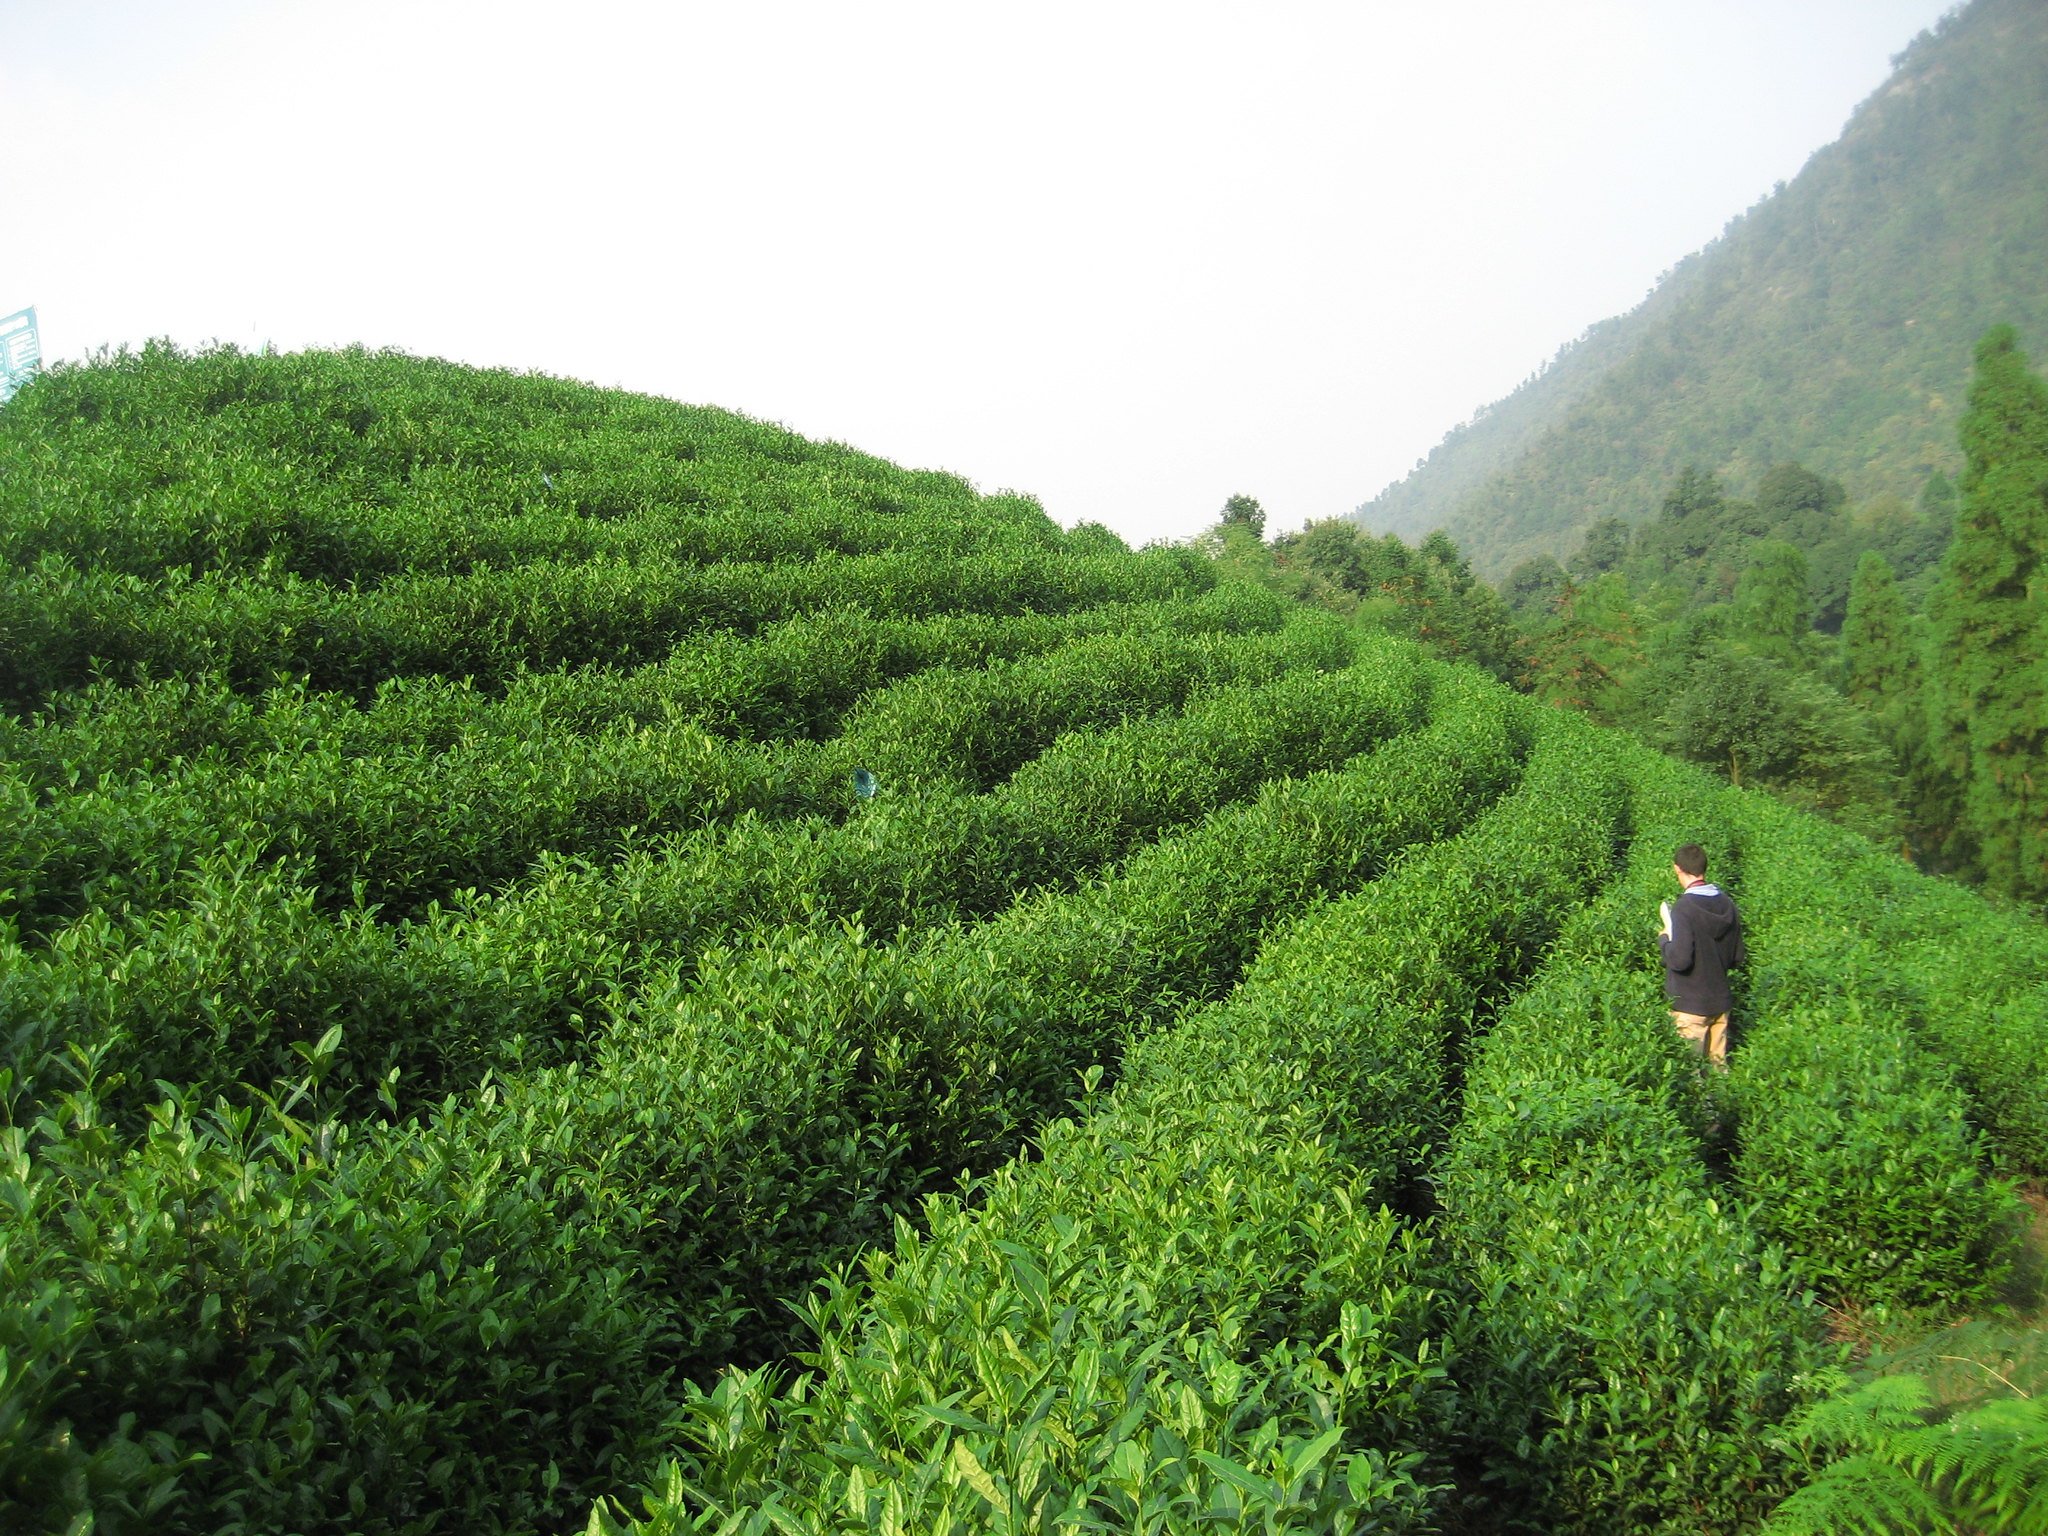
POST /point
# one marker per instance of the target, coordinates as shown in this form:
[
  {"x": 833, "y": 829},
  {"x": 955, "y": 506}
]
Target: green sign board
[{"x": 21, "y": 351}]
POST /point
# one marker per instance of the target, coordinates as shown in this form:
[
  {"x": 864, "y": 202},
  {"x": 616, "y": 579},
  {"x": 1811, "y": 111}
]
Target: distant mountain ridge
[{"x": 1832, "y": 324}]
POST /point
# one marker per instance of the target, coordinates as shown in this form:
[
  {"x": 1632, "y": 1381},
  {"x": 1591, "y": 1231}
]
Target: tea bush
[
  {"x": 1856, "y": 1142},
  {"x": 792, "y": 679},
  {"x": 1857, "y": 1154},
  {"x": 1964, "y": 978},
  {"x": 354, "y": 467},
  {"x": 1178, "y": 1313},
  {"x": 1631, "y": 1340},
  {"x": 470, "y": 1047},
  {"x": 430, "y": 805},
  {"x": 66, "y": 626},
  {"x": 196, "y": 986},
  {"x": 758, "y": 1117}
]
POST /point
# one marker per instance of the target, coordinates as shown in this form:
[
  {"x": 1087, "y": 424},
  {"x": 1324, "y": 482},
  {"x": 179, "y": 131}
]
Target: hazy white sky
[{"x": 1130, "y": 258}]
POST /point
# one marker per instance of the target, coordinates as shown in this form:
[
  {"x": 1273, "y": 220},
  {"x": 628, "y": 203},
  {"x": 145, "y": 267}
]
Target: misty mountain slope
[{"x": 1832, "y": 324}]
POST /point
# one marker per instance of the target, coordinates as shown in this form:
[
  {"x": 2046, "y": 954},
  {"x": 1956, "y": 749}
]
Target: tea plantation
[{"x": 569, "y": 961}]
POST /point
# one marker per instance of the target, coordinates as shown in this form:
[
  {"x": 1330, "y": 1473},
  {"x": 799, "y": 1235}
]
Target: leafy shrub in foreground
[
  {"x": 762, "y": 1119},
  {"x": 1334, "y": 1428},
  {"x": 1632, "y": 1341},
  {"x": 207, "y": 1331},
  {"x": 1963, "y": 977},
  {"x": 1856, "y": 1154},
  {"x": 1183, "y": 1314}
]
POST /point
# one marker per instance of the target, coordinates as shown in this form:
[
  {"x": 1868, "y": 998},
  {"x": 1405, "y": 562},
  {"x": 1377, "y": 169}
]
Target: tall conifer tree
[
  {"x": 1884, "y": 671},
  {"x": 1991, "y": 623},
  {"x": 1881, "y": 646},
  {"x": 1772, "y": 602}
]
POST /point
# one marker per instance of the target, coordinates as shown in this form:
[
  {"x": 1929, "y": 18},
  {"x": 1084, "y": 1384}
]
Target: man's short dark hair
[{"x": 1691, "y": 858}]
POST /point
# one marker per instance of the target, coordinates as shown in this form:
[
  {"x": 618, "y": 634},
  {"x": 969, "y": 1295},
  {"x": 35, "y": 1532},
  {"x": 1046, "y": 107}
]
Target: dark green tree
[
  {"x": 1774, "y": 726},
  {"x": 1882, "y": 642},
  {"x": 1914, "y": 543},
  {"x": 1583, "y": 659},
  {"x": 1799, "y": 505},
  {"x": 1887, "y": 525},
  {"x": 1441, "y": 552},
  {"x": 1938, "y": 499},
  {"x": 1877, "y": 651},
  {"x": 1670, "y": 652},
  {"x": 1990, "y": 621},
  {"x": 1241, "y": 511},
  {"x": 1603, "y": 549},
  {"x": 1773, "y": 608},
  {"x": 1532, "y": 587},
  {"x": 1693, "y": 517},
  {"x": 1697, "y": 494},
  {"x": 1330, "y": 548},
  {"x": 1427, "y": 593}
]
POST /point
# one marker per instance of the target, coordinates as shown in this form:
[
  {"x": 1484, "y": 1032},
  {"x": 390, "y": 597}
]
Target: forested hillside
[
  {"x": 568, "y": 960},
  {"x": 1885, "y": 665},
  {"x": 1831, "y": 325}
]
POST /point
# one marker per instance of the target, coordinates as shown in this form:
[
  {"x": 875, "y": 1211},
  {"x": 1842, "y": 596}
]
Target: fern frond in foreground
[{"x": 1981, "y": 1472}]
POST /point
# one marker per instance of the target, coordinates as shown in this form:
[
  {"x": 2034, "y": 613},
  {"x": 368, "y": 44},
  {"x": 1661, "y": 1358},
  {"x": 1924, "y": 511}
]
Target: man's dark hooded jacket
[{"x": 1705, "y": 945}]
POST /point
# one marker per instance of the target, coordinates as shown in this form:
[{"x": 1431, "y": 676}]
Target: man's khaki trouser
[{"x": 1707, "y": 1035}]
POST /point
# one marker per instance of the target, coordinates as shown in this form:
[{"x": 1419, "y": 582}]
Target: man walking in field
[{"x": 1702, "y": 943}]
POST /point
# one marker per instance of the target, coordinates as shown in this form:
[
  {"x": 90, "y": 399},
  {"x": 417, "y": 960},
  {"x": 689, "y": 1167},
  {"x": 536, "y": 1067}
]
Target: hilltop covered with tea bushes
[{"x": 521, "y": 905}]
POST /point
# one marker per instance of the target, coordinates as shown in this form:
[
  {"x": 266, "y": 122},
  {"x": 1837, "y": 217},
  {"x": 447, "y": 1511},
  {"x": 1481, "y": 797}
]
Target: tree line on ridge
[{"x": 1885, "y": 665}]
